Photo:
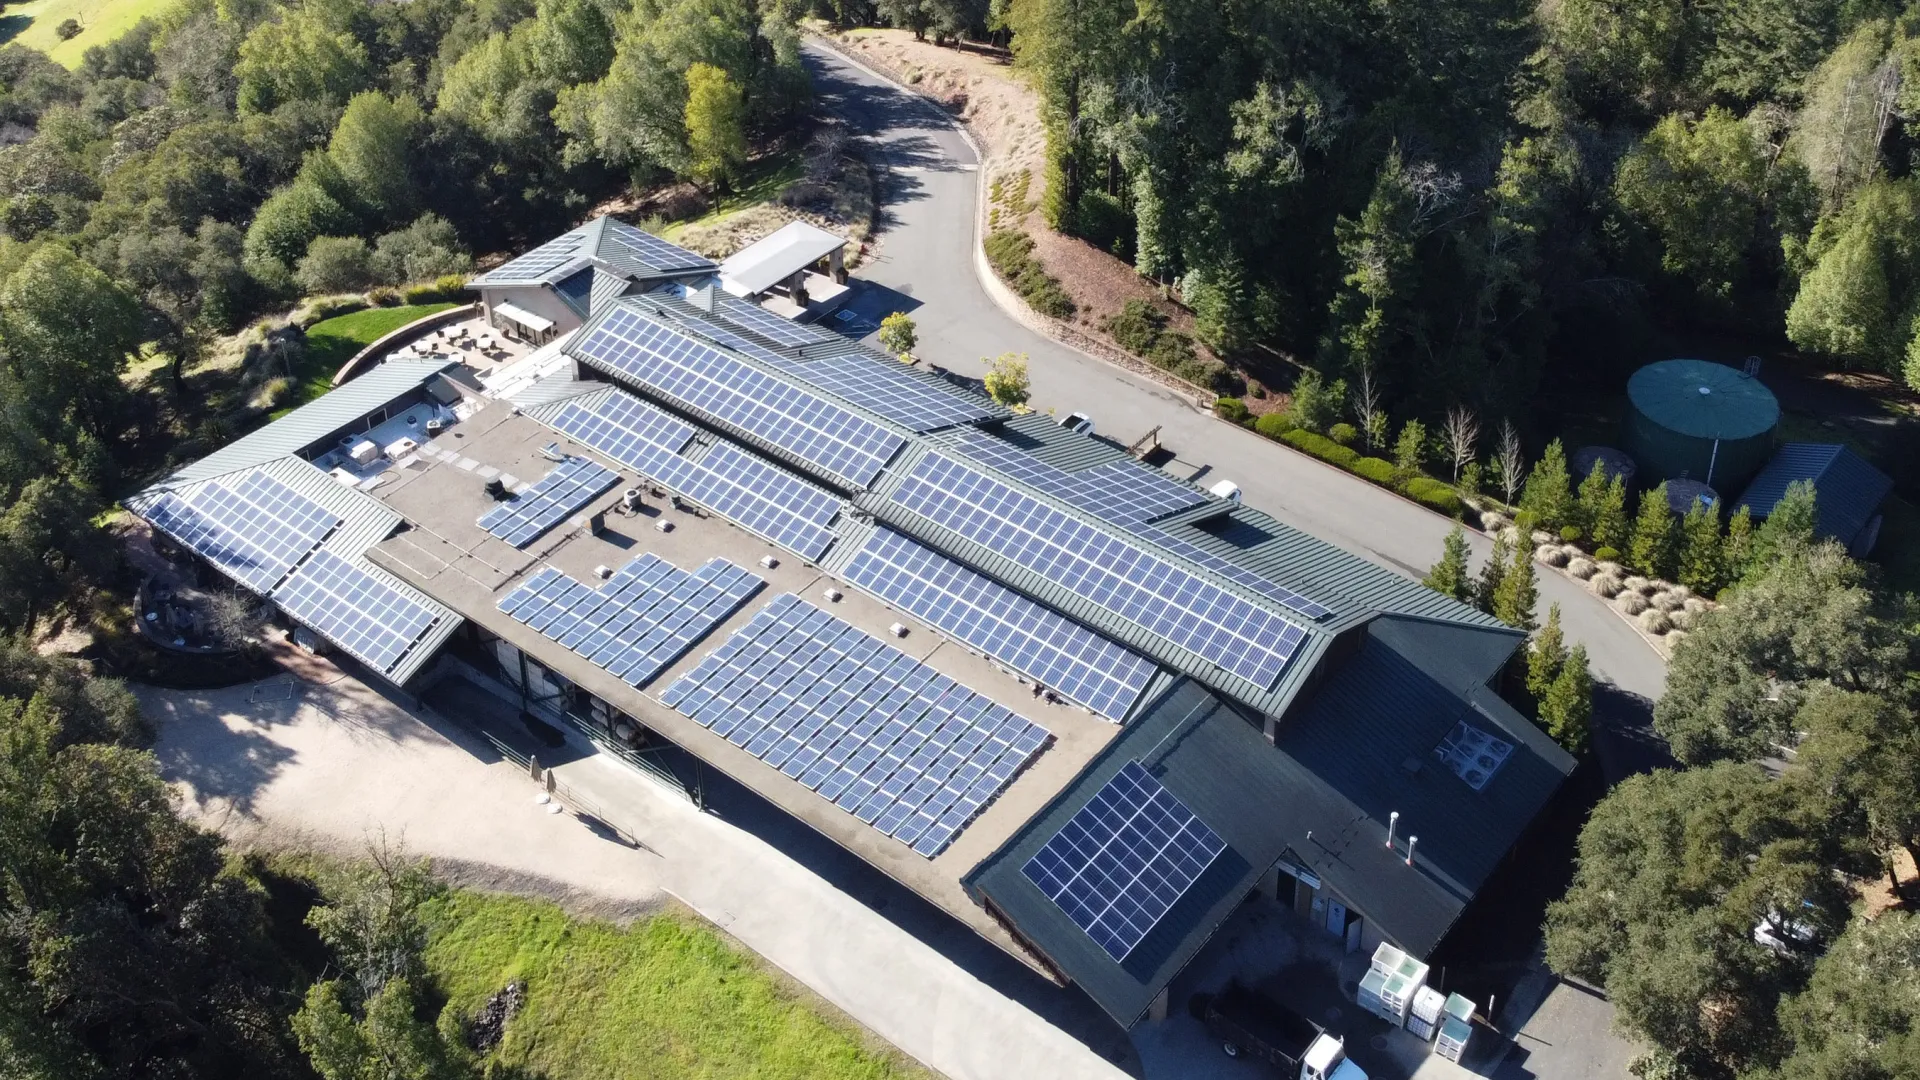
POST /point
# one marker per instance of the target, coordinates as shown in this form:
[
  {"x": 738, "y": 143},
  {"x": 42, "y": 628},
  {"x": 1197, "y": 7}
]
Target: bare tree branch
[
  {"x": 1511, "y": 460},
  {"x": 1462, "y": 433},
  {"x": 1366, "y": 406}
]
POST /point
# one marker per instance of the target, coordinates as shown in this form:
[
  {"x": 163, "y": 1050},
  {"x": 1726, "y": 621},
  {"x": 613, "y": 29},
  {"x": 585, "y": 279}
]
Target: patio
[{"x": 472, "y": 342}]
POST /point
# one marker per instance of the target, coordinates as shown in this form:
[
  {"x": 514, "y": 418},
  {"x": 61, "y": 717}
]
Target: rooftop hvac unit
[
  {"x": 663, "y": 525},
  {"x": 364, "y": 452},
  {"x": 496, "y": 489},
  {"x": 630, "y": 499},
  {"x": 603, "y": 571},
  {"x": 898, "y": 629},
  {"x": 832, "y": 594},
  {"x": 769, "y": 561}
]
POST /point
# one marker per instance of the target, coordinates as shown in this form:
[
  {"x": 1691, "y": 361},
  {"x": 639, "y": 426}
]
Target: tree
[
  {"x": 1368, "y": 410},
  {"x": 1509, "y": 462},
  {"x": 1566, "y": 708},
  {"x": 1590, "y": 500},
  {"x": 334, "y": 264},
  {"x": 1701, "y": 556},
  {"x": 1313, "y": 403},
  {"x": 1518, "y": 589},
  {"x": 1376, "y": 251},
  {"x": 388, "y": 1042},
  {"x": 1651, "y": 549},
  {"x": 49, "y": 549},
  {"x": 1859, "y": 286},
  {"x": 293, "y": 215},
  {"x": 371, "y": 919},
  {"x": 1851, "y": 98},
  {"x": 1865, "y": 747},
  {"x": 1700, "y": 188},
  {"x": 1736, "y": 550},
  {"x": 1449, "y": 577},
  {"x": 1675, "y": 870},
  {"x": 1461, "y": 433},
  {"x": 1547, "y": 657},
  {"x": 1788, "y": 529},
  {"x": 716, "y": 125},
  {"x": 1861, "y": 1009},
  {"x": 68, "y": 332},
  {"x": 1493, "y": 574},
  {"x": 1547, "y": 496},
  {"x": 308, "y": 54},
  {"x": 898, "y": 336},
  {"x": 373, "y": 148},
  {"x": 426, "y": 250},
  {"x": 1006, "y": 379},
  {"x": 1410, "y": 450}
]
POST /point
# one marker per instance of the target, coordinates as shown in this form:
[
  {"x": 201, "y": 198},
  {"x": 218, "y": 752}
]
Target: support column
[{"x": 1157, "y": 1011}]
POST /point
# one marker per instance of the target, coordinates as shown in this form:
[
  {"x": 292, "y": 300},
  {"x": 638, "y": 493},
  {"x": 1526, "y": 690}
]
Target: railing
[
  {"x": 559, "y": 789},
  {"x": 640, "y": 760}
]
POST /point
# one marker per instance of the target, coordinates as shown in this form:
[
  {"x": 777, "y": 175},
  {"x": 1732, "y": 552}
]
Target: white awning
[
  {"x": 536, "y": 323},
  {"x": 765, "y": 263}
]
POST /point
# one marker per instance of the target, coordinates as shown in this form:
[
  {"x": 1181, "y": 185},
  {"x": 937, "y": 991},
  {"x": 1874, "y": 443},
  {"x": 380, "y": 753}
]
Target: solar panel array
[
  {"x": 356, "y": 608},
  {"x": 867, "y": 727},
  {"x": 540, "y": 261},
  {"x": 1124, "y": 859},
  {"x": 775, "y": 328},
  {"x": 638, "y": 621},
  {"x": 1154, "y": 593},
  {"x": 720, "y": 335},
  {"x": 1129, "y": 495},
  {"x": 887, "y": 388},
  {"x": 756, "y": 495},
  {"x": 255, "y": 531},
  {"x": 566, "y": 488},
  {"x": 648, "y": 248},
  {"x": 1045, "y": 646},
  {"x": 702, "y": 377}
]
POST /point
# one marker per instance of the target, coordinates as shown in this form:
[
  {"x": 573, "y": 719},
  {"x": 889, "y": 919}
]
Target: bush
[
  {"x": 423, "y": 251},
  {"x": 1105, "y": 224},
  {"x": 1675, "y": 636},
  {"x": 1607, "y": 554},
  {"x": 1605, "y": 585},
  {"x": 1231, "y": 408},
  {"x": 1010, "y": 252},
  {"x": 1275, "y": 425},
  {"x": 1435, "y": 495},
  {"x": 1137, "y": 327},
  {"x": 1581, "y": 568},
  {"x": 1655, "y": 621},
  {"x": 1681, "y": 619},
  {"x": 1173, "y": 351},
  {"x": 1555, "y": 556},
  {"x": 1344, "y": 434},
  {"x": 1321, "y": 447},
  {"x": 1376, "y": 470},
  {"x": 1570, "y": 533},
  {"x": 1630, "y": 603},
  {"x": 384, "y": 296},
  {"x": 334, "y": 264},
  {"x": 68, "y": 30},
  {"x": 326, "y": 307},
  {"x": 1668, "y": 600}
]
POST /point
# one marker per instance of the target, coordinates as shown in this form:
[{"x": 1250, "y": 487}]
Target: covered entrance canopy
[
  {"x": 538, "y": 324},
  {"x": 773, "y": 261}
]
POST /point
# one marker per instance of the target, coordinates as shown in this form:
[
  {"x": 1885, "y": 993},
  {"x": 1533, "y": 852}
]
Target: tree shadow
[{"x": 12, "y": 26}]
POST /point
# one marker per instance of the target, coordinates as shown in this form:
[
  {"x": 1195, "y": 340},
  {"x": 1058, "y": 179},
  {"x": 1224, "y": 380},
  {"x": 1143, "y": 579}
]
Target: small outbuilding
[
  {"x": 800, "y": 268},
  {"x": 1699, "y": 420},
  {"x": 1847, "y": 491}
]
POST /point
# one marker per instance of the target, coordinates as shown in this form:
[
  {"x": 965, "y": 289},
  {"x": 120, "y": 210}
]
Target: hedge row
[
  {"x": 1010, "y": 252},
  {"x": 1424, "y": 490}
]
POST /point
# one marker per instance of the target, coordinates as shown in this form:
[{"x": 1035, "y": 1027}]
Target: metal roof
[
  {"x": 1703, "y": 399},
  {"x": 346, "y": 404},
  {"x": 772, "y": 259},
  {"x": 603, "y": 242},
  {"x": 1846, "y": 489}
]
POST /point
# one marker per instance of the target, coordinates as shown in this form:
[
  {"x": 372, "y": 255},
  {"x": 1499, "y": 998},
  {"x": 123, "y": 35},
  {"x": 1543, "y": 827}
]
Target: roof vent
[
  {"x": 832, "y": 594},
  {"x": 663, "y": 525},
  {"x": 898, "y": 629},
  {"x": 603, "y": 571},
  {"x": 769, "y": 561},
  {"x": 496, "y": 489}
]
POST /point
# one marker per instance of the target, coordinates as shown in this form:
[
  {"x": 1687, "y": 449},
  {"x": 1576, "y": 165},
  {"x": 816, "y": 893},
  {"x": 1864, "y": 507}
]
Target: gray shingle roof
[{"x": 1847, "y": 490}]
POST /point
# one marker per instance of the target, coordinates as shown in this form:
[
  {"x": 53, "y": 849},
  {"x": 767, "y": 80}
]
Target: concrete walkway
[{"x": 325, "y": 762}]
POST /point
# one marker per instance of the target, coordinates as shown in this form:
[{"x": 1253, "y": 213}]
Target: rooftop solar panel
[
  {"x": 255, "y": 531},
  {"x": 566, "y": 488},
  {"x": 752, "y": 493},
  {"x": 1200, "y": 556},
  {"x": 775, "y": 328},
  {"x": 1124, "y": 859},
  {"x": 702, "y": 378},
  {"x": 886, "y": 388},
  {"x": 650, "y": 249},
  {"x": 540, "y": 261},
  {"x": 1047, "y": 647},
  {"x": 1152, "y": 592},
  {"x": 884, "y": 737},
  {"x": 357, "y": 608}
]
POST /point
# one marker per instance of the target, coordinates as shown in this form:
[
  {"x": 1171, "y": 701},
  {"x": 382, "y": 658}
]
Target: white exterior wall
[{"x": 535, "y": 298}]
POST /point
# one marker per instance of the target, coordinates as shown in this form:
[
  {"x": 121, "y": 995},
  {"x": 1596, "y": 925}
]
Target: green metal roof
[
  {"x": 1703, "y": 400},
  {"x": 1846, "y": 490}
]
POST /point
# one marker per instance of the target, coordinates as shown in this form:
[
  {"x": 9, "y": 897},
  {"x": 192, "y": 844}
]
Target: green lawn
[
  {"x": 332, "y": 342},
  {"x": 667, "y": 998},
  {"x": 101, "y": 21}
]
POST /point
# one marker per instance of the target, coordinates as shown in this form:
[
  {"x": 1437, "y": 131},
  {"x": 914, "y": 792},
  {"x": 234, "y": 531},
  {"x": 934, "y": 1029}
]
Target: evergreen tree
[
  {"x": 1492, "y": 573},
  {"x": 1590, "y": 502},
  {"x": 1547, "y": 656},
  {"x": 1650, "y": 552},
  {"x": 1566, "y": 710},
  {"x": 1515, "y": 596},
  {"x": 1547, "y": 494},
  {"x": 1736, "y": 551},
  {"x": 1701, "y": 559},
  {"x": 1788, "y": 529},
  {"x": 1610, "y": 521},
  {"x": 1449, "y": 576},
  {"x": 1410, "y": 450}
]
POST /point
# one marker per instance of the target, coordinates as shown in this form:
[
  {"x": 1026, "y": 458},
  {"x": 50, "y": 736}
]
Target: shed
[
  {"x": 1697, "y": 419},
  {"x": 1847, "y": 490}
]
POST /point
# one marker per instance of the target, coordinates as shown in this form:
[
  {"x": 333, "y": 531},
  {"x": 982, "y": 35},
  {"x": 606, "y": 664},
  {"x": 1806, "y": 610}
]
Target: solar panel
[
  {"x": 1047, "y": 647},
  {"x": 566, "y": 488},
  {"x": 862, "y": 724},
  {"x": 1124, "y": 859},
  {"x": 887, "y": 388},
  {"x": 775, "y": 328},
  {"x": 650, "y": 249},
  {"x": 752, "y": 493},
  {"x": 721, "y": 336},
  {"x": 702, "y": 378},
  {"x": 255, "y": 531},
  {"x": 537, "y": 263},
  {"x": 1198, "y": 555},
  {"x": 1126, "y": 491},
  {"x": 357, "y": 608},
  {"x": 1154, "y": 593},
  {"x": 639, "y": 621}
]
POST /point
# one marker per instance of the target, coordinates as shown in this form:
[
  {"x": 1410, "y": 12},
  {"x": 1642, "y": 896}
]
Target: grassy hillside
[{"x": 101, "y": 21}]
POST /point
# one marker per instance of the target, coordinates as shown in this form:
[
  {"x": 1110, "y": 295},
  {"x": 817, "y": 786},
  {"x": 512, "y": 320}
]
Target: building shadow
[{"x": 860, "y": 314}]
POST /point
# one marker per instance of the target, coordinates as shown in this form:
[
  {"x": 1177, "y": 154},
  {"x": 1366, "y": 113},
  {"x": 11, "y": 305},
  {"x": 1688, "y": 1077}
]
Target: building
[
  {"x": 1847, "y": 491},
  {"x": 1083, "y": 707}
]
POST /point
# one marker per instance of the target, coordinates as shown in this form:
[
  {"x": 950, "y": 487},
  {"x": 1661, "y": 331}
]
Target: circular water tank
[
  {"x": 1614, "y": 463},
  {"x": 1681, "y": 493},
  {"x": 1699, "y": 420}
]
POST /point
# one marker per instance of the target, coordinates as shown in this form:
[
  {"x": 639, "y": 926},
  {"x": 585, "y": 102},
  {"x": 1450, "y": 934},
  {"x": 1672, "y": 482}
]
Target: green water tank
[{"x": 1699, "y": 420}]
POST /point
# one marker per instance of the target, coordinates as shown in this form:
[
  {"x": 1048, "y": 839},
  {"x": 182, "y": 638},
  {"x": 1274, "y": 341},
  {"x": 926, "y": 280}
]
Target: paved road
[{"x": 926, "y": 256}]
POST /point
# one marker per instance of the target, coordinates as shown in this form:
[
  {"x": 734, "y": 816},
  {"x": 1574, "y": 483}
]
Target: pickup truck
[{"x": 1251, "y": 1024}]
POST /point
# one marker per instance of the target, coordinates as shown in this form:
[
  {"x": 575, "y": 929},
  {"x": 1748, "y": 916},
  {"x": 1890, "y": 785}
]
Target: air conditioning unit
[
  {"x": 898, "y": 629},
  {"x": 631, "y": 499},
  {"x": 832, "y": 594},
  {"x": 364, "y": 452},
  {"x": 603, "y": 572}
]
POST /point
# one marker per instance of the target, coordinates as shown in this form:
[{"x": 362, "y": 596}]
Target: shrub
[
  {"x": 1668, "y": 600},
  {"x": 1607, "y": 554},
  {"x": 451, "y": 286},
  {"x": 1681, "y": 591},
  {"x": 1636, "y": 583},
  {"x": 272, "y": 393},
  {"x": 1609, "y": 567},
  {"x": 1274, "y": 425},
  {"x": 1676, "y": 636},
  {"x": 1541, "y": 537},
  {"x": 1344, "y": 434},
  {"x": 1570, "y": 533},
  {"x": 1696, "y": 606},
  {"x": 1435, "y": 495},
  {"x": 1321, "y": 447},
  {"x": 1010, "y": 252},
  {"x": 1493, "y": 521},
  {"x": 1681, "y": 619},
  {"x": 326, "y": 307},
  {"x": 1630, "y": 603},
  {"x": 68, "y": 30},
  {"x": 1655, "y": 621},
  {"x": 1172, "y": 350},
  {"x": 334, "y": 264},
  {"x": 1605, "y": 585},
  {"x": 1231, "y": 408},
  {"x": 1105, "y": 224},
  {"x": 1137, "y": 327},
  {"x": 1375, "y": 469},
  {"x": 384, "y": 296},
  {"x": 1581, "y": 568},
  {"x": 1554, "y": 555},
  {"x": 1256, "y": 391}
]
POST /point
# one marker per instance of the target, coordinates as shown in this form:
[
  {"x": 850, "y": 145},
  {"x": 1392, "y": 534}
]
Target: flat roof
[
  {"x": 448, "y": 556},
  {"x": 772, "y": 259}
]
